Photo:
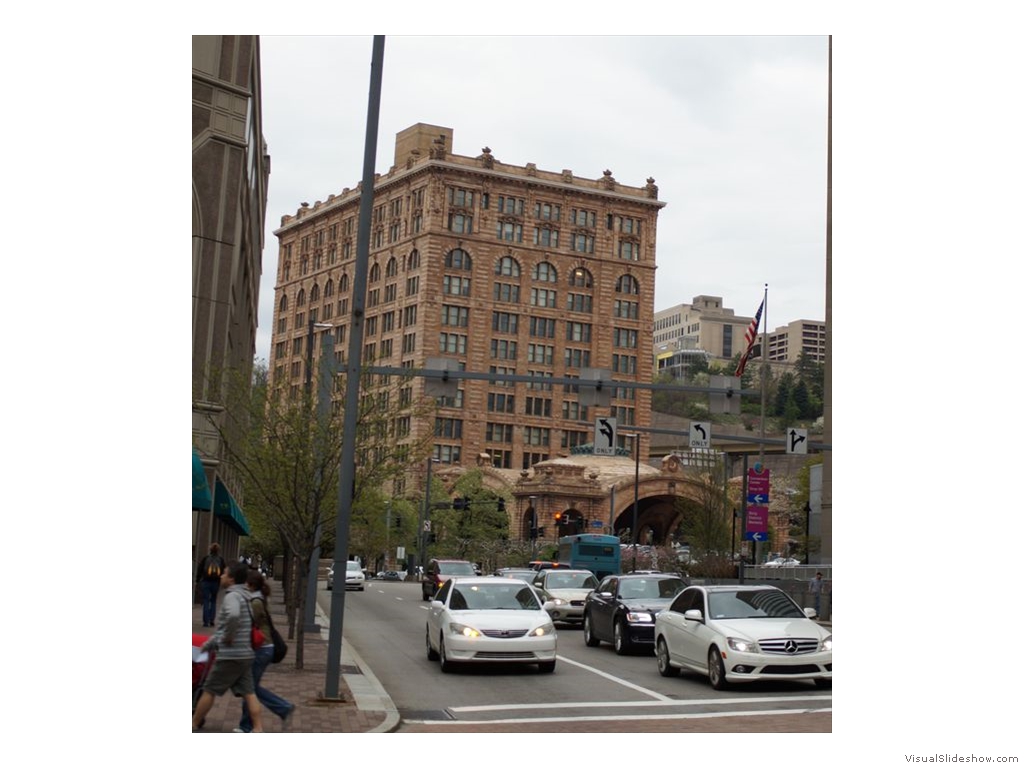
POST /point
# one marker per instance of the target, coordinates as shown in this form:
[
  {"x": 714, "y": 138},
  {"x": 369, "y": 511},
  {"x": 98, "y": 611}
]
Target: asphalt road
[{"x": 591, "y": 690}]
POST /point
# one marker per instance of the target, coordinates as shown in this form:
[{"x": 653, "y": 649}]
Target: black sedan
[{"x": 621, "y": 610}]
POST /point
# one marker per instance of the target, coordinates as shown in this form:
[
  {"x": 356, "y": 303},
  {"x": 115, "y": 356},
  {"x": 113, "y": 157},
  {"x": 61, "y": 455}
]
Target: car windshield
[
  {"x": 456, "y": 569},
  {"x": 352, "y": 566},
  {"x": 558, "y": 580},
  {"x": 493, "y": 597},
  {"x": 649, "y": 588},
  {"x": 753, "y": 604}
]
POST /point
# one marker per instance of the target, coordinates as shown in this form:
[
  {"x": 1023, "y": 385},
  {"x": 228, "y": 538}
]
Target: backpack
[{"x": 212, "y": 567}]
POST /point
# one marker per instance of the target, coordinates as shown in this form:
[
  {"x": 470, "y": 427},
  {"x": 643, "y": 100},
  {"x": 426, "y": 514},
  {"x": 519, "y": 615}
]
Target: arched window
[
  {"x": 329, "y": 289},
  {"x": 343, "y": 287},
  {"x": 412, "y": 261},
  {"x": 506, "y": 266},
  {"x": 314, "y": 293},
  {"x": 392, "y": 268},
  {"x": 300, "y": 300},
  {"x": 581, "y": 278},
  {"x": 458, "y": 259},
  {"x": 627, "y": 284},
  {"x": 545, "y": 273},
  {"x": 283, "y": 306},
  {"x": 375, "y": 273}
]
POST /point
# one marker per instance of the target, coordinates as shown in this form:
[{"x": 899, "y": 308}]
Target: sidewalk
[{"x": 365, "y": 706}]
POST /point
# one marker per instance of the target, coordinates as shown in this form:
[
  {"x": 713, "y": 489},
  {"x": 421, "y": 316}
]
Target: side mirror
[
  {"x": 607, "y": 595},
  {"x": 549, "y": 606},
  {"x": 436, "y": 604},
  {"x": 693, "y": 615},
  {"x": 811, "y": 613}
]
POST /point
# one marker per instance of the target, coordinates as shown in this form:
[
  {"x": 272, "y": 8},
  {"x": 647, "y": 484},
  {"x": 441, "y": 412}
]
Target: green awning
[
  {"x": 226, "y": 508},
  {"x": 200, "y": 488}
]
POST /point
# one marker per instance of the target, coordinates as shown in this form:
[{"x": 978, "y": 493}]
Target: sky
[{"x": 732, "y": 128}]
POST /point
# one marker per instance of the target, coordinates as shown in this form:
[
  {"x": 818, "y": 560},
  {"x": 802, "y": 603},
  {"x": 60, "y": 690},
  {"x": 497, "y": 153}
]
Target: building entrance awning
[
  {"x": 200, "y": 488},
  {"x": 226, "y": 508}
]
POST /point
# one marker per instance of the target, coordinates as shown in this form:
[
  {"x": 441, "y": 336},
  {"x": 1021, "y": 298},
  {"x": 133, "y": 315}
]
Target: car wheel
[
  {"x": 588, "y": 633},
  {"x": 446, "y": 665},
  {"x": 431, "y": 653},
  {"x": 665, "y": 667},
  {"x": 823, "y": 682},
  {"x": 546, "y": 666},
  {"x": 716, "y": 670},
  {"x": 621, "y": 639}
]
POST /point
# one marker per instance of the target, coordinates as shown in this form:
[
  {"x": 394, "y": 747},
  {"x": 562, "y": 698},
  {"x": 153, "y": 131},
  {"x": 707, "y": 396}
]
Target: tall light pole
[
  {"x": 807, "y": 533},
  {"x": 323, "y": 401},
  {"x": 636, "y": 495},
  {"x": 425, "y": 511}
]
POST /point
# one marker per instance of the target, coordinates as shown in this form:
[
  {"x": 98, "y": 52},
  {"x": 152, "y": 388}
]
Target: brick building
[{"x": 508, "y": 269}]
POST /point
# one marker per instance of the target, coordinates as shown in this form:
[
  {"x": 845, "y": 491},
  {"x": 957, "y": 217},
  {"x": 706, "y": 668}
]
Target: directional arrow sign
[
  {"x": 757, "y": 499},
  {"x": 700, "y": 434},
  {"x": 755, "y": 536},
  {"x": 796, "y": 441},
  {"x": 604, "y": 436}
]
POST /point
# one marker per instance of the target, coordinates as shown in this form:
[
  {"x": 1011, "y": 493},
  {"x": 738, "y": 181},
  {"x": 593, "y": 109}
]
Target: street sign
[
  {"x": 758, "y": 496},
  {"x": 796, "y": 441},
  {"x": 426, "y": 526},
  {"x": 595, "y": 524},
  {"x": 604, "y": 436},
  {"x": 700, "y": 434},
  {"x": 400, "y": 553},
  {"x": 758, "y": 536}
]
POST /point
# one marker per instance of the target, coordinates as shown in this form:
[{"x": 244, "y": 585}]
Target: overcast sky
[{"x": 732, "y": 129}]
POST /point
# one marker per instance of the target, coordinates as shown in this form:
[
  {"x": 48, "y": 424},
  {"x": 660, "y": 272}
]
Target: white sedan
[
  {"x": 737, "y": 634},
  {"x": 487, "y": 619}
]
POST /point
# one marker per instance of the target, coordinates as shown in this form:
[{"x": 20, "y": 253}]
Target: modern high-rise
[
  {"x": 787, "y": 342},
  {"x": 507, "y": 269}
]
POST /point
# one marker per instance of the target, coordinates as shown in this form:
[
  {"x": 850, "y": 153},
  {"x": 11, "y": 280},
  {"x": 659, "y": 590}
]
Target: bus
[{"x": 598, "y": 553}]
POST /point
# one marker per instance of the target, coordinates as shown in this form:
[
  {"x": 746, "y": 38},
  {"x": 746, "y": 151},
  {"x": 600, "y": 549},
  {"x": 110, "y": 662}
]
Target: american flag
[{"x": 750, "y": 336}]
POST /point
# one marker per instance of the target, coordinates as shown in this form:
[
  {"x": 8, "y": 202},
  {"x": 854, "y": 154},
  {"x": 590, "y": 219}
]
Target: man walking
[
  {"x": 208, "y": 577},
  {"x": 232, "y": 644},
  {"x": 816, "y": 591}
]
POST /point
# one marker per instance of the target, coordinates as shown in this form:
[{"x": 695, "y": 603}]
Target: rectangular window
[
  {"x": 412, "y": 286},
  {"x": 503, "y": 349},
  {"x": 452, "y": 343},
  {"x": 387, "y": 322},
  {"x": 543, "y": 297},
  {"x": 390, "y": 293},
  {"x": 408, "y": 343},
  {"x": 451, "y": 402},
  {"x": 543, "y": 327},
  {"x": 582, "y": 218},
  {"x": 545, "y": 236},
  {"x": 510, "y": 231},
  {"x": 499, "y": 433},
  {"x": 536, "y": 436},
  {"x": 577, "y": 332},
  {"x": 629, "y": 310},
  {"x": 501, "y": 403},
  {"x": 506, "y": 292},
  {"x": 538, "y": 406},
  {"x": 460, "y": 197},
  {"x": 499, "y": 458},
  {"x": 460, "y": 223},
  {"x": 409, "y": 315},
  {"x": 454, "y": 316},
  {"x": 456, "y": 286},
  {"x": 504, "y": 322},
  {"x": 499, "y": 370},
  {"x": 386, "y": 348},
  {"x": 574, "y": 411},
  {"x": 543, "y": 354},
  {"x": 580, "y": 302},
  {"x": 624, "y": 337},
  {"x": 629, "y": 251},
  {"x": 529, "y": 459},
  {"x": 539, "y": 385},
  {"x": 547, "y": 211},
  {"x": 511, "y": 205},
  {"x": 448, "y": 454},
  {"x": 624, "y": 364},
  {"x": 282, "y": 325},
  {"x": 577, "y": 358},
  {"x": 448, "y": 428},
  {"x": 582, "y": 243}
]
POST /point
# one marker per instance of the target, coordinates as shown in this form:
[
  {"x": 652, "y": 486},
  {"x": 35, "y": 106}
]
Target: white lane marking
[
  {"x": 661, "y": 703},
  {"x": 690, "y": 716},
  {"x": 619, "y": 680}
]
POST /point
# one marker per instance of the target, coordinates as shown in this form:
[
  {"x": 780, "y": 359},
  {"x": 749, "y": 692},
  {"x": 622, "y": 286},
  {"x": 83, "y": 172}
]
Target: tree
[
  {"x": 707, "y": 520},
  {"x": 472, "y": 530},
  {"x": 289, "y": 465}
]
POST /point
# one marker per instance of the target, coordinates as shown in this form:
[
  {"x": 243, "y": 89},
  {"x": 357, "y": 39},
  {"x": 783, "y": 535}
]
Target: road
[{"x": 592, "y": 689}]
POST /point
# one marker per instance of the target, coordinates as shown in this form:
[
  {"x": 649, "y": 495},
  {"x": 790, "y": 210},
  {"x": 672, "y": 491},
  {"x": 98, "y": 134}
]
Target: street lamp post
[
  {"x": 323, "y": 401},
  {"x": 807, "y": 533},
  {"x": 425, "y": 511},
  {"x": 636, "y": 495},
  {"x": 534, "y": 528}
]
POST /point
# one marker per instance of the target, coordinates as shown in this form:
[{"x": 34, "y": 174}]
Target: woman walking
[{"x": 260, "y": 592}]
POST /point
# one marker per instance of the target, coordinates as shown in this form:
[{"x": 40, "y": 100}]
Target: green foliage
[{"x": 471, "y": 533}]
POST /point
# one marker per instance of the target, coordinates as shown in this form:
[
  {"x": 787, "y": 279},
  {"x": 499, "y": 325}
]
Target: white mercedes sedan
[
  {"x": 487, "y": 619},
  {"x": 737, "y": 634}
]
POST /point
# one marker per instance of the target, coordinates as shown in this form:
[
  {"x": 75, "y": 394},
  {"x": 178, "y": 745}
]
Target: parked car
[
  {"x": 483, "y": 619},
  {"x": 330, "y": 577},
  {"x": 622, "y": 609},
  {"x": 566, "y": 590},
  {"x": 391, "y": 576},
  {"x": 738, "y": 634},
  {"x": 439, "y": 571}
]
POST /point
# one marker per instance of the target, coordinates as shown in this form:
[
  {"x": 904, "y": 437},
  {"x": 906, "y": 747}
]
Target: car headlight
[
  {"x": 542, "y": 630},
  {"x": 743, "y": 646},
  {"x": 826, "y": 644},
  {"x": 559, "y": 601},
  {"x": 461, "y": 629},
  {"x": 638, "y": 617}
]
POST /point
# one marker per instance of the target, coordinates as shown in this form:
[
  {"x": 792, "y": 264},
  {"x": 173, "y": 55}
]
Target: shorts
[{"x": 235, "y": 674}]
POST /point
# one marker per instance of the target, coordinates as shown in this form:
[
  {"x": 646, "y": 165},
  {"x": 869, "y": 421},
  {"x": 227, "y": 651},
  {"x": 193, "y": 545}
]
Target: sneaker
[{"x": 286, "y": 721}]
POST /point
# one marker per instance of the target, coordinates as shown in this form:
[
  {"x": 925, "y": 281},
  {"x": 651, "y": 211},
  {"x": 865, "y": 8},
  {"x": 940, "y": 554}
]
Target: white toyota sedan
[
  {"x": 487, "y": 619},
  {"x": 737, "y": 634}
]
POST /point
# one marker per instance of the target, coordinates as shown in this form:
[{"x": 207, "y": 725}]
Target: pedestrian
[
  {"x": 208, "y": 577},
  {"x": 259, "y": 592},
  {"x": 234, "y": 654},
  {"x": 816, "y": 586}
]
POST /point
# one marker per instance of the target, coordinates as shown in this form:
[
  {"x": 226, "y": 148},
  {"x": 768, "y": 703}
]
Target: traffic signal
[
  {"x": 501, "y": 504},
  {"x": 460, "y": 504},
  {"x": 398, "y": 522},
  {"x": 558, "y": 517}
]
